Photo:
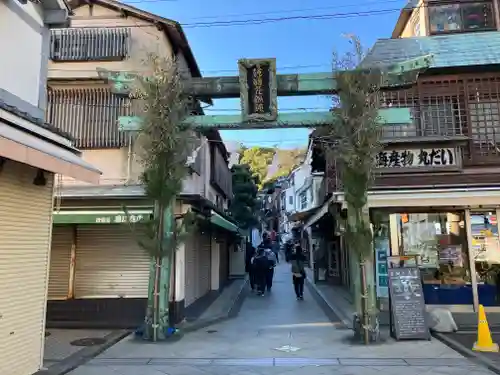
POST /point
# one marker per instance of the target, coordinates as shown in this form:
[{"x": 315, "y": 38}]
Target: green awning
[
  {"x": 101, "y": 217},
  {"x": 218, "y": 220}
]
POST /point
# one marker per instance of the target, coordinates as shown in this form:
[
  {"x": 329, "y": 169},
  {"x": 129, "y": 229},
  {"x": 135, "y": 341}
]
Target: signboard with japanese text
[
  {"x": 75, "y": 217},
  {"x": 259, "y": 95},
  {"x": 417, "y": 158},
  {"x": 408, "y": 314}
]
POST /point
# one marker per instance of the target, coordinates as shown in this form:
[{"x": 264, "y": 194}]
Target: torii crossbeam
[{"x": 393, "y": 75}]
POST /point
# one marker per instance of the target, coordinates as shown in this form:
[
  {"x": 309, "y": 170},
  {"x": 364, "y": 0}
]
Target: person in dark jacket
[
  {"x": 250, "y": 253},
  {"x": 288, "y": 250},
  {"x": 298, "y": 261},
  {"x": 260, "y": 265},
  {"x": 267, "y": 246}
]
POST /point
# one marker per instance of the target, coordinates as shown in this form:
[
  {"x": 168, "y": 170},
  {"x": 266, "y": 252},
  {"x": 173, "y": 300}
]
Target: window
[
  {"x": 90, "y": 116},
  {"x": 303, "y": 200},
  {"x": 82, "y": 44},
  {"x": 439, "y": 239},
  {"x": 439, "y": 117},
  {"x": 473, "y": 16},
  {"x": 290, "y": 199},
  {"x": 416, "y": 29}
]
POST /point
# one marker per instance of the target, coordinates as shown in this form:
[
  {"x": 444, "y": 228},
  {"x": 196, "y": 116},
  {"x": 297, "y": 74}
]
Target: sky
[{"x": 301, "y": 35}]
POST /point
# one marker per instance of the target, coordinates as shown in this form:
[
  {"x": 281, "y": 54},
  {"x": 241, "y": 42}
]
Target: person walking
[
  {"x": 298, "y": 260},
  {"x": 249, "y": 255},
  {"x": 266, "y": 245},
  {"x": 271, "y": 257},
  {"x": 260, "y": 265}
]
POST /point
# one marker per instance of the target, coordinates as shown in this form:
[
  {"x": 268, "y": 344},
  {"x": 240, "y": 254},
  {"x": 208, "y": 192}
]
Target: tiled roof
[
  {"x": 37, "y": 121},
  {"x": 470, "y": 49}
]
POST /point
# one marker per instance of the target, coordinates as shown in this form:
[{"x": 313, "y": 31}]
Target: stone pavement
[
  {"x": 58, "y": 343},
  {"x": 276, "y": 334}
]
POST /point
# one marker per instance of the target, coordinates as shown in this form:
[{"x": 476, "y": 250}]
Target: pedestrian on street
[
  {"x": 250, "y": 253},
  {"x": 267, "y": 246},
  {"x": 298, "y": 260},
  {"x": 260, "y": 265},
  {"x": 271, "y": 256}
]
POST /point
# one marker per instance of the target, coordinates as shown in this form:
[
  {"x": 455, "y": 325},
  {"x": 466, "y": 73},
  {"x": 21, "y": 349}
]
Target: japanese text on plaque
[{"x": 416, "y": 158}]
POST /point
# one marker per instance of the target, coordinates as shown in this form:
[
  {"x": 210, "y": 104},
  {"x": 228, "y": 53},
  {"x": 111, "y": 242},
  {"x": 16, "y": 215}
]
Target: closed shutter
[
  {"x": 110, "y": 263},
  {"x": 203, "y": 259},
  {"x": 25, "y": 217},
  {"x": 60, "y": 258},
  {"x": 191, "y": 273},
  {"x": 224, "y": 263}
]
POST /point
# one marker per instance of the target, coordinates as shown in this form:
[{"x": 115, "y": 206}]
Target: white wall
[{"x": 21, "y": 43}]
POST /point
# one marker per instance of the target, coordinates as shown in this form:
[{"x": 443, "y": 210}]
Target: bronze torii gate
[{"x": 259, "y": 86}]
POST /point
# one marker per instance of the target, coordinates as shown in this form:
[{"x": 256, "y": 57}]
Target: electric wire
[
  {"x": 362, "y": 4},
  {"x": 260, "y": 21}
]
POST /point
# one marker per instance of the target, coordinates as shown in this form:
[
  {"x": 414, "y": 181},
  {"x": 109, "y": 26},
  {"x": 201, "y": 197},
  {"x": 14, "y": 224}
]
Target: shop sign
[
  {"x": 89, "y": 217},
  {"x": 408, "y": 314},
  {"x": 118, "y": 219},
  {"x": 381, "y": 252},
  {"x": 258, "y": 85},
  {"x": 451, "y": 255},
  {"x": 417, "y": 158}
]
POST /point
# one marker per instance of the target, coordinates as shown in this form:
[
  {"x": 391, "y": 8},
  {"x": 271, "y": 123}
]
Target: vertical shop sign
[{"x": 381, "y": 253}]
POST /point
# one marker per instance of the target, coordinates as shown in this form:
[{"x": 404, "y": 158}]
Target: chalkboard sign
[{"x": 408, "y": 315}]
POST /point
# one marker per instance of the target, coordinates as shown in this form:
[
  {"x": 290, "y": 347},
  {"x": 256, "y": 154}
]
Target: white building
[
  {"x": 300, "y": 193},
  {"x": 31, "y": 153}
]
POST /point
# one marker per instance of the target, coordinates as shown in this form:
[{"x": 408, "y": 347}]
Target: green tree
[
  {"x": 288, "y": 160},
  {"x": 244, "y": 203},
  {"x": 355, "y": 132},
  {"x": 258, "y": 159},
  {"x": 163, "y": 146}
]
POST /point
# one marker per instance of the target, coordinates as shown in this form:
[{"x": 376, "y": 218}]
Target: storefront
[
  {"x": 99, "y": 273},
  {"x": 454, "y": 233}
]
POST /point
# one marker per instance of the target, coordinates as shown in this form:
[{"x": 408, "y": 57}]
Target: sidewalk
[{"x": 277, "y": 334}]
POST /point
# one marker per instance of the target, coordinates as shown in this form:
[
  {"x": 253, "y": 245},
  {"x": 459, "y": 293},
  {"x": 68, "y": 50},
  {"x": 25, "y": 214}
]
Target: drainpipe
[{"x": 129, "y": 158}]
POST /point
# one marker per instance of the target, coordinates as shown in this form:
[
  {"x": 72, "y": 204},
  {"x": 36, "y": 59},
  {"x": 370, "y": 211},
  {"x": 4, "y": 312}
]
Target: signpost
[
  {"x": 408, "y": 314},
  {"x": 259, "y": 94}
]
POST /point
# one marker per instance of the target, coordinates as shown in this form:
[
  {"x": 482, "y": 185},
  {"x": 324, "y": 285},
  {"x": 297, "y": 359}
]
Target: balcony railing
[
  {"x": 221, "y": 176},
  {"x": 90, "y": 44},
  {"x": 90, "y": 116}
]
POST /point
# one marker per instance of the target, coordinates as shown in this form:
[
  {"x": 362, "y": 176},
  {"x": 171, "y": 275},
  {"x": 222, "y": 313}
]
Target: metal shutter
[
  {"x": 203, "y": 259},
  {"x": 25, "y": 217},
  {"x": 191, "y": 272},
  {"x": 60, "y": 259},
  {"x": 110, "y": 263},
  {"x": 224, "y": 262}
]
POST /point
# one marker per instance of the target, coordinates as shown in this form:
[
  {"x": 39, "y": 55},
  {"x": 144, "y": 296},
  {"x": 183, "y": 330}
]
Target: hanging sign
[
  {"x": 417, "y": 158},
  {"x": 258, "y": 90}
]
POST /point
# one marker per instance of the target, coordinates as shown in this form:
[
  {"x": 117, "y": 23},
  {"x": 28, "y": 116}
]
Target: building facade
[
  {"x": 31, "y": 153},
  {"x": 437, "y": 186},
  {"x": 99, "y": 273}
]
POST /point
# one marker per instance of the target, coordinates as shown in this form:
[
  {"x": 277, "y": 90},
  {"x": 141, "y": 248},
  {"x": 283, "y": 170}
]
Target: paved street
[{"x": 276, "y": 334}]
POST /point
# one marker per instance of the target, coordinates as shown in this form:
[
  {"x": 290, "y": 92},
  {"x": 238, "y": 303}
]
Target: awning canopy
[
  {"x": 302, "y": 215},
  {"x": 220, "y": 221},
  {"x": 452, "y": 197},
  {"x": 101, "y": 216},
  {"x": 322, "y": 211},
  {"x": 29, "y": 149}
]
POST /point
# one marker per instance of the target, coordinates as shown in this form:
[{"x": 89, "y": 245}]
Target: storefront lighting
[{"x": 40, "y": 179}]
